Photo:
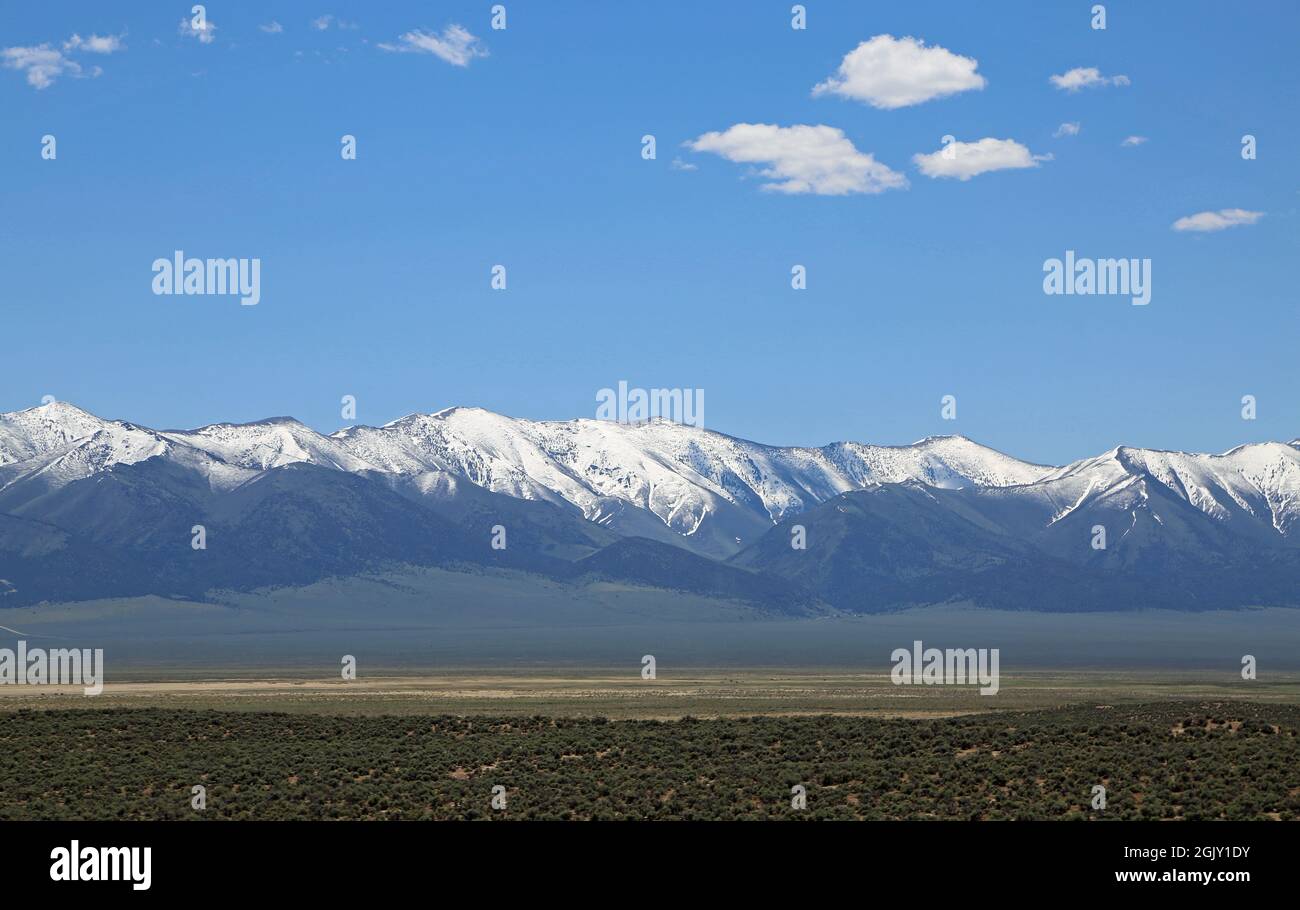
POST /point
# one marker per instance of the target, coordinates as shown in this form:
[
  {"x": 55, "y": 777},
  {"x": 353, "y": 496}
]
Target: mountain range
[{"x": 93, "y": 508}]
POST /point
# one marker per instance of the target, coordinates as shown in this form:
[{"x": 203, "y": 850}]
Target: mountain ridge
[{"x": 942, "y": 519}]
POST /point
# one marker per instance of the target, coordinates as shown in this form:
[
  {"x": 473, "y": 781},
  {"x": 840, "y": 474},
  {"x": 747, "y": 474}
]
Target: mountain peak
[
  {"x": 60, "y": 407},
  {"x": 942, "y": 437},
  {"x": 419, "y": 416},
  {"x": 54, "y": 410}
]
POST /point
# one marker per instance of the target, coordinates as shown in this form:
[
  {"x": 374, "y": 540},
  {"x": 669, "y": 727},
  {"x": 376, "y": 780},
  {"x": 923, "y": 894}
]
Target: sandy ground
[{"x": 624, "y": 694}]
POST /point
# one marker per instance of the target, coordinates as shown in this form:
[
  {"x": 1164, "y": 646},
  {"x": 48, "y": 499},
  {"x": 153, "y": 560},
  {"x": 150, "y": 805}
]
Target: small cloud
[
  {"x": 43, "y": 63},
  {"x": 272, "y": 27},
  {"x": 1066, "y": 129},
  {"x": 1216, "y": 221},
  {"x": 1134, "y": 140},
  {"x": 888, "y": 73},
  {"x": 817, "y": 160},
  {"x": 206, "y": 35},
  {"x": 964, "y": 160},
  {"x": 95, "y": 44},
  {"x": 456, "y": 45},
  {"x": 324, "y": 22},
  {"x": 1086, "y": 77},
  {"x": 679, "y": 165}
]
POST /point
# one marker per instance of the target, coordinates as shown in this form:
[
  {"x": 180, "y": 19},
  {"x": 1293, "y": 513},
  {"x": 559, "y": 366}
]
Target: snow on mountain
[
  {"x": 1252, "y": 483},
  {"x": 59, "y": 443},
  {"x": 267, "y": 444},
  {"x": 589, "y": 465},
  {"x": 658, "y": 478},
  {"x": 683, "y": 475},
  {"x": 43, "y": 430},
  {"x": 939, "y": 461},
  {"x": 1261, "y": 479},
  {"x": 56, "y": 444}
]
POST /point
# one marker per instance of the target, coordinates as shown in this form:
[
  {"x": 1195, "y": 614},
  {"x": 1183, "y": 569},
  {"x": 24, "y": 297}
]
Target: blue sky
[{"x": 375, "y": 272}]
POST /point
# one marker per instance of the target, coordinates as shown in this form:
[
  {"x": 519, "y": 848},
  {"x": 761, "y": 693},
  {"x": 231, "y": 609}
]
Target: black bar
[{"x": 657, "y": 860}]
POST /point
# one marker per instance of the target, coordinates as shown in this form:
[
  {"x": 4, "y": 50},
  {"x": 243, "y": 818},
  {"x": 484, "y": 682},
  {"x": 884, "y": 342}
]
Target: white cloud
[
  {"x": 272, "y": 27},
  {"x": 1134, "y": 140},
  {"x": 680, "y": 165},
  {"x": 1217, "y": 221},
  {"x": 456, "y": 45},
  {"x": 324, "y": 22},
  {"x": 802, "y": 159},
  {"x": 42, "y": 64},
  {"x": 206, "y": 35},
  {"x": 95, "y": 44},
  {"x": 1086, "y": 77},
  {"x": 964, "y": 160},
  {"x": 888, "y": 72},
  {"x": 1067, "y": 129}
]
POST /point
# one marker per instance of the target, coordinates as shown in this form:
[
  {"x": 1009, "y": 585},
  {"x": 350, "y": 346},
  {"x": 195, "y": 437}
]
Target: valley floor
[
  {"x": 465, "y": 684},
  {"x": 623, "y": 694},
  {"x": 444, "y": 620},
  {"x": 1187, "y": 759}
]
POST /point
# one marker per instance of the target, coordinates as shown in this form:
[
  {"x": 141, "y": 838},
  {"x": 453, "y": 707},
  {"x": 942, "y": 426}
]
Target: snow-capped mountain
[
  {"x": 1132, "y": 527},
  {"x": 943, "y": 518},
  {"x": 55, "y": 428},
  {"x": 268, "y": 444},
  {"x": 54, "y": 445},
  {"x": 1253, "y": 490},
  {"x": 713, "y": 490},
  {"x": 694, "y": 483},
  {"x": 660, "y": 479}
]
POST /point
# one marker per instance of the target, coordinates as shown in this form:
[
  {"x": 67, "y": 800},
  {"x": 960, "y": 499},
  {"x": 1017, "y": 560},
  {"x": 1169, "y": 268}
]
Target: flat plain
[
  {"x": 1186, "y": 759},
  {"x": 697, "y": 744},
  {"x": 623, "y": 694}
]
